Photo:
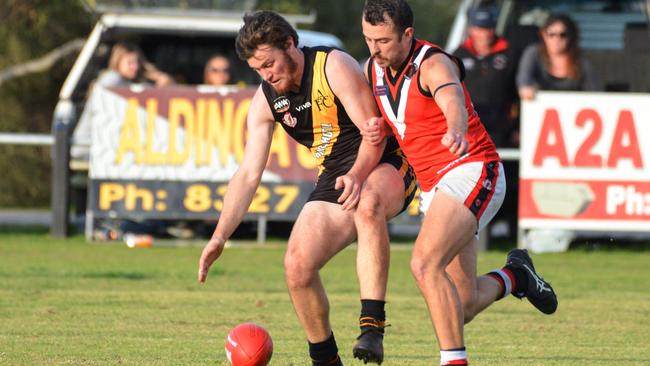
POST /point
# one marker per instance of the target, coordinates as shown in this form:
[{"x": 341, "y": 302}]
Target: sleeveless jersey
[
  {"x": 418, "y": 122},
  {"x": 314, "y": 117}
]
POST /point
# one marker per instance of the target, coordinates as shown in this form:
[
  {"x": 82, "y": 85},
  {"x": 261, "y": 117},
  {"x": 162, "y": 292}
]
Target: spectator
[
  {"x": 556, "y": 62},
  {"x": 127, "y": 65},
  {"x": 217, "y": 71},
  {"x": 490, "y": 66}
]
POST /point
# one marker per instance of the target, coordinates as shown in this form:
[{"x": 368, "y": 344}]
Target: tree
[{"x": 28, "y": 31}]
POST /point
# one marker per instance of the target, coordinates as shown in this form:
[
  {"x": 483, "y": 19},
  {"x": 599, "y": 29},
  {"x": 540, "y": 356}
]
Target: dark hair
[
  {"x": 397, "y": 10},
  {"x": 263, "y": 27},
  {"x": 572, "y": 48}
]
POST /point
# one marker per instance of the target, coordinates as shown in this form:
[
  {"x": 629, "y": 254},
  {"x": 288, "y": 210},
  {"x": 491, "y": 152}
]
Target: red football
[{"x": 249, "y": 344}]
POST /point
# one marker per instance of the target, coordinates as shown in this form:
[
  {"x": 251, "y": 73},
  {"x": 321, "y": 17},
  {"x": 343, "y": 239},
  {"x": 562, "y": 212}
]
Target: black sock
[
  {"x": 372, "y": 315},
  {"x": 324, "y": 353},
  {"x": 521, "y": 279}
]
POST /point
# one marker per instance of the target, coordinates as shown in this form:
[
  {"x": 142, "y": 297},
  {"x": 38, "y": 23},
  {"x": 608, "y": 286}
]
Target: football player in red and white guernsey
[{"x": 425, "y": 104}]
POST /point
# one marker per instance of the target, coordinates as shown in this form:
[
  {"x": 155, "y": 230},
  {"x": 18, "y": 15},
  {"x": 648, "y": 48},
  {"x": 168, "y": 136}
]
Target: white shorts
[{"x": 480, "y": 186}]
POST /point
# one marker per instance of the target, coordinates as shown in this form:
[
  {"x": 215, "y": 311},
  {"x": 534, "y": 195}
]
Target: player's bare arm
[
  {"x": 349, "y": 86},
  {"x": 440, "y": 76},
  {"x": 244, "y": 182}
]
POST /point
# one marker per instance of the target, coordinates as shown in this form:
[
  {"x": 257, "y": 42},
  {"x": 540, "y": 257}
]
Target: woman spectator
[
  {"x": 127, "y": 66},
  {"x": 217, "y": 71},
  {"x": 556, "y": 62}
]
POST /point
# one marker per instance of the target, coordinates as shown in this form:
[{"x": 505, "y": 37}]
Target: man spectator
[{"x": 490, "y": 66}]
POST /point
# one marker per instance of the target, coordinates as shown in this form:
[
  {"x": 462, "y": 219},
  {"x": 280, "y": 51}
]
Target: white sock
[
  {"x": 452, "y": 355},
  {"x": 507, "y": 282}
]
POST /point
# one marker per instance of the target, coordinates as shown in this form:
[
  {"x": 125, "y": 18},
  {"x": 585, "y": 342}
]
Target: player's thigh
[
  {"x": 446, "y": 229},
  {"x": 321, "y": 230},
  {"x": 385, "y": 184}
]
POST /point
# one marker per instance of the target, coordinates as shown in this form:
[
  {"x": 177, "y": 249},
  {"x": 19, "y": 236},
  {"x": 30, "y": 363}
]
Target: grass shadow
[{"x": 134, "y": 276}]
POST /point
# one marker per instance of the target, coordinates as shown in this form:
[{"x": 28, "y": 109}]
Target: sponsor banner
[
  {"x": 182, "y": 134},
  {"x": 588, "y": 201},
  {"x": 149, "y": 199},
  {"x": 585, "y": 162},
  {"x": 168, "y": 153}
]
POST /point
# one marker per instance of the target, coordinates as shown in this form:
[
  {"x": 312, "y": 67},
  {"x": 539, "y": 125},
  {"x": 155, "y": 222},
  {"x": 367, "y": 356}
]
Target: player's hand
[
  {"x": 455, "y": 142},
  {"x": 373, "y": 130},
  {"x": 211, "y": 252},
  {"x": 351, "y": 191}
]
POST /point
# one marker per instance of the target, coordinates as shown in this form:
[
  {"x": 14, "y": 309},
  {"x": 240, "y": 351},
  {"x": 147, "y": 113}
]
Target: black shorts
[{"x": 325, "y": 191}]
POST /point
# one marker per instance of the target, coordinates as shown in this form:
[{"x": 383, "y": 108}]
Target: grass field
[{"x": 71, "y": 303}]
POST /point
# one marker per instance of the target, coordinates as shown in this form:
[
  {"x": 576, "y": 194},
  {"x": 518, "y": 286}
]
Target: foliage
[
  {"x": 30, "y": 29},
  {"x": 343, "y": 18},
  {"x": 70, "y": 303}
]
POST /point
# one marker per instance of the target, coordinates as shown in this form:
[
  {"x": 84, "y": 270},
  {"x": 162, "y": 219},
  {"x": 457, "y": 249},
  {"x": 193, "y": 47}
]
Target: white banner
[
  {"x": 181, "y": 134},
  {"x": 585, "y": 162}
]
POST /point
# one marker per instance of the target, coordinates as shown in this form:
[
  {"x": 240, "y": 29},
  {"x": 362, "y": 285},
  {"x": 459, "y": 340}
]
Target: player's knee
[
  {"x": 424, "y": 271},
  {"x": 370, "y": 208},
  {"x": 468, "y": 315},
  {"x": 296, "y": 273},
  {"x": 469, "y": 307}
]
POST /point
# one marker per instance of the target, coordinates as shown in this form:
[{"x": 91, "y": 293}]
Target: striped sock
[
  {"x": 373, "y": 315},
  {"x": 453, "y": 357},
  {"x": 506, "y": 279}
]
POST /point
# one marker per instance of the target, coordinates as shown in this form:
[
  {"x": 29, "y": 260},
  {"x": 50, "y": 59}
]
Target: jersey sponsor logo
[
  {"x": 289, "y": 120},
  {"x": 281, "y": 104},
  {"x": 381, "y": 90},
  {"x": 303, "y": 107},
  {"x": 411, "y": 70},
  {"x": 322, "y": 101},
  {"x": 500, "y": 62},
  {"x": 327, "y": 134}
]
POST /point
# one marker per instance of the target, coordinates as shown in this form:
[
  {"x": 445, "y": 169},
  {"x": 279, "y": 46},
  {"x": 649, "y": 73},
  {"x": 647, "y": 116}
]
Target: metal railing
[
  {"x": 60, "y": 141},
  {"x": 30, "y": 139}
]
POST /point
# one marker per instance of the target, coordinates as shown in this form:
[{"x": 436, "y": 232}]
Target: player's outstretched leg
[{"x": 519, "y": 275}]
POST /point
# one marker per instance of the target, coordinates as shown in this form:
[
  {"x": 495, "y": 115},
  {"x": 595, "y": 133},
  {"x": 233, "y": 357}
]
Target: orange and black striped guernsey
[{"x": 315, "y": 118}]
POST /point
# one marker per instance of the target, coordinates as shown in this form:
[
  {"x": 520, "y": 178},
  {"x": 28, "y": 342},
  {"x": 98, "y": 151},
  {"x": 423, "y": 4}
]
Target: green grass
[{"x": 71, "y": 303}]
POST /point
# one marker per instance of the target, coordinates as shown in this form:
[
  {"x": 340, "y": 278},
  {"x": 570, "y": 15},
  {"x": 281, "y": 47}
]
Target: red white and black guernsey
[{"x": 418, "y": 122}]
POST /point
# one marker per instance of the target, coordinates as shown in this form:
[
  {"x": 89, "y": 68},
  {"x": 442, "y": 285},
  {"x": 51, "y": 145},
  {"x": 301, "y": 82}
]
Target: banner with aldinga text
[
  {"x": 169, "y": 153},
  {"x": 585, "y": 162}
]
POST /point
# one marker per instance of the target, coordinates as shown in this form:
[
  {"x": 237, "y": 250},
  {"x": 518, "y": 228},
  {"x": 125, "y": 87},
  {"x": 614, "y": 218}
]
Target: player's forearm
[
  {"x": 456, "y": 116},
  {"x": 237, "y": 199},
  {"x": 367, "y": 159}
]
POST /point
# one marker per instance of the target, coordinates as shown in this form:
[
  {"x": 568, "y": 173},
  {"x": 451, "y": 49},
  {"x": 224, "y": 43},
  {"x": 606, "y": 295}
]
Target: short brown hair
[
  {"x": 376, "y": 11},
  {"x": 263, "y": 27}
]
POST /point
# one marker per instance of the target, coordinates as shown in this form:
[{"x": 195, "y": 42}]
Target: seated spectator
[
  {"x": 556, "y": 62},
  {"x": 127, "y": 65},
  {"x": 490, "y": 66},
  {"x": 217, "y": 71}
]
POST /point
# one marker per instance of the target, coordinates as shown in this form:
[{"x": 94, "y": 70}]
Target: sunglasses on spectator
[
  {"x": 557, "y": 34},
  {"x": 218, "y": 70}
]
